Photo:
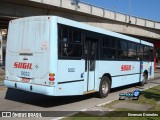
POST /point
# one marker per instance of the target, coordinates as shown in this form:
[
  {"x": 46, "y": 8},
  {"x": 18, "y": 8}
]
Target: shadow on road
[{"x": 42, "y": 100}]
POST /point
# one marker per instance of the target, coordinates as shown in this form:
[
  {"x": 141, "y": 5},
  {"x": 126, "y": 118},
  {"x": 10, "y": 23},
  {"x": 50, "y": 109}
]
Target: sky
[{"x": 148, "y": 9}]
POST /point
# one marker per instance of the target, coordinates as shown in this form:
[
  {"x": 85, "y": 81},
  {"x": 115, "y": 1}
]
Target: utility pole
[
  {"x": 129, "y": 8},
  {"x": 75, "y": 2}
]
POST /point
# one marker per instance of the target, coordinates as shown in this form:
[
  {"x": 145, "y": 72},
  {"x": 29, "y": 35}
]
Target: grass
[
  {"x": 82, "y": 116},
  {"x": 148, "y": 97}
]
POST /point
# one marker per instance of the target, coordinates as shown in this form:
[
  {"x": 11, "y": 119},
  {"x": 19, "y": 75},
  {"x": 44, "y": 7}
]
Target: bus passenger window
[
  {"x": 70, "y": 44},
  {"x": 122, "y": 52},
  {"x": 70, "y": 52},
  {"x": 151, "y": 54},
  {"x": 132, "y": 50},
  {"x": 109, "y": 47},
  {"x": 140, "y": 52},
  {"x": 64, "y": 35},
  {"x": 77, "y": 36},
  {"x": 64, "y": 49},
  {"x": 64, "y": 39},
  {"x": 77, "y": 50}
]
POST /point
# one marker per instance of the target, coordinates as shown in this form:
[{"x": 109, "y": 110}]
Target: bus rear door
[{"x": 90, "y": 62}]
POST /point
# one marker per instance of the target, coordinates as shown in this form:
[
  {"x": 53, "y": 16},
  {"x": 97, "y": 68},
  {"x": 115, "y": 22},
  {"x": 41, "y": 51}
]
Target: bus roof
[
  {"x": 80, "y": 25},
  {"x": 147, "y": 43}
]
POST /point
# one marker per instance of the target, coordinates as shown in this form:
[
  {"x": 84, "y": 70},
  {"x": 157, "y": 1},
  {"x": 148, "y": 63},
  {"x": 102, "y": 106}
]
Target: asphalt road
[{"x": 16, "y": 100}]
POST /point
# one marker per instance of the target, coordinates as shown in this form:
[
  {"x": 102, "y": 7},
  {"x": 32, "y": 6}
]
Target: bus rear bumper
[{"x": 41, "y": 89}]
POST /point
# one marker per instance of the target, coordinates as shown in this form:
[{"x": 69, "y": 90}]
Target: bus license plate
[
  {"x": 26, "y": 80},
  {"x": 25, "y": 74}
]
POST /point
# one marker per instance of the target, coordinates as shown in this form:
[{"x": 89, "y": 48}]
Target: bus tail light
[{"x": 51, "y": 77}]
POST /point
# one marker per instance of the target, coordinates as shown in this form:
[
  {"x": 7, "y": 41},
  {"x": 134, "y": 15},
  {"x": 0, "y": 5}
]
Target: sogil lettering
[
  {"x": 23, "y": 65},
  {"x": 126, "y": 67}
]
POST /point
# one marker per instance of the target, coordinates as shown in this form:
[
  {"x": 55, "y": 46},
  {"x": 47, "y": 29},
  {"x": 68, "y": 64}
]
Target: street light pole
[
  {"x": 129, "y": 8},
  {"x": 75, "y": 2}
]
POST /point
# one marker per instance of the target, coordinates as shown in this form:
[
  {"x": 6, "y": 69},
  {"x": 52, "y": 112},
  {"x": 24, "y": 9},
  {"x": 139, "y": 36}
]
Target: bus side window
[
  {"x": 70, "y": 44},
  {"x": 132, "y": 50},
  {"x": 70, "y": 52},
  {"x": 146, "y": 53},
  {"x": 140, "y": 51},
  {"x": 64, "y": 35},
  {"x": 122, "y": 49},
  {"x": 151, "y": 54},
  {"x": 109, "y": 47}
]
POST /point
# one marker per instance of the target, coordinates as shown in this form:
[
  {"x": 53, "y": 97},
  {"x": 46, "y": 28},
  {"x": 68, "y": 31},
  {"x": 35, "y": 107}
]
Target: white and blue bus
[{"x": 55, "y": 56}]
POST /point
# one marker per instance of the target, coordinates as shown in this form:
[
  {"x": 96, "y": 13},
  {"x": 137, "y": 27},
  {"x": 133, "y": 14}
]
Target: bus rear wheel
[{"x": 104, "y": 88}]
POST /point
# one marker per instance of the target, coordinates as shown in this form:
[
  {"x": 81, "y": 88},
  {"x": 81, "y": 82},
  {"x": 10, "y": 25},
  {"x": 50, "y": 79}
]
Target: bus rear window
[{"x": 30, "y": 36}]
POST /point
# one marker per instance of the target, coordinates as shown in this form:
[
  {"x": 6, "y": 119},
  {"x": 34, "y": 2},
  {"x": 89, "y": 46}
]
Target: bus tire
[
  {"x": 145, "y": 78},
  {"x": 104, "y": 87}
]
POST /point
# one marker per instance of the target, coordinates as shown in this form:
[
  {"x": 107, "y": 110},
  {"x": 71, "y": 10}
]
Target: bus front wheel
[{"x": 104, "y": 87}]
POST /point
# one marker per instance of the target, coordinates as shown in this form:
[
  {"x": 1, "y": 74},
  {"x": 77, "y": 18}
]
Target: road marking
[
  {"x": 150, "y": 87},
  {"x": 58, "y": 118},
  {"x": 106, "y": 102}
]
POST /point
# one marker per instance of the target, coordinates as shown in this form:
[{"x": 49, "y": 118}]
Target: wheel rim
[{"x": 104, "y": 87}]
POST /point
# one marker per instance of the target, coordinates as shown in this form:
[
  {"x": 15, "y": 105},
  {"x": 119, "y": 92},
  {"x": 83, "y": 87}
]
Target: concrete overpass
[{"x": 83, "y": 12}]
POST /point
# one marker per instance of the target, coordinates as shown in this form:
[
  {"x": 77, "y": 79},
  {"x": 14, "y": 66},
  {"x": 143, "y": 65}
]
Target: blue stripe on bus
[
  {"x": 70, "y": 81},
  {"x": 125, "y": 75}
]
